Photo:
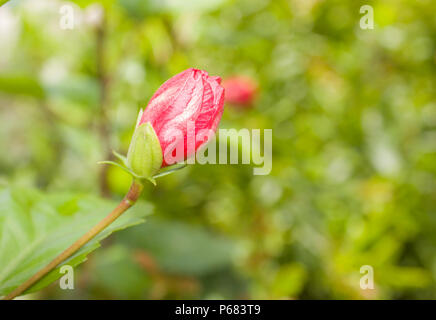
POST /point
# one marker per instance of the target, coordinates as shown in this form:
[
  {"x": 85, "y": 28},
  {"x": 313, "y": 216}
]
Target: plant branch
[
  {"x": 103, "y": 81},
  {"x": 128, "y": 201}
]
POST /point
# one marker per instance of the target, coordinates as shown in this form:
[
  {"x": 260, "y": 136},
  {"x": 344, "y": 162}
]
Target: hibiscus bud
[
  {"x": 240, "y": 90},
  {"x": 184, "y": 106},
  {"x": 144, "y": 157}
]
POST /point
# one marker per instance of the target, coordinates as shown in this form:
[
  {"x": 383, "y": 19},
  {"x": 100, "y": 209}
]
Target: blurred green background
[{"x": 353, "y": 114}]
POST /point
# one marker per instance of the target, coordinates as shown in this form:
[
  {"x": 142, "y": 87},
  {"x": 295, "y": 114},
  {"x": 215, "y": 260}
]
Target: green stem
[
  {"x": 103, "y": 121},
  {"x": 128, "y": 201}
]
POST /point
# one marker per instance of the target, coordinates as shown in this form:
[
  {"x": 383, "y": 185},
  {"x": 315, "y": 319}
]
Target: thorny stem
[{"x": 128, "y": 201}]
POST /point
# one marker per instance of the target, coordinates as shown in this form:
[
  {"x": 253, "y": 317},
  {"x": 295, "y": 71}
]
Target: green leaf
[
  {"x": 36, "y": 227},
  {"x": 140, "y": 9},
  {"x": 21, "y": 84},
  {"x": 82, "y": 90},
  {"x": 131, "y": 281},
  {"x": 181, "y": 248}
]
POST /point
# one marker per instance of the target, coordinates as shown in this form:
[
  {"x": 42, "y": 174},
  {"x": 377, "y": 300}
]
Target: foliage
[
  {"x": 36, "y": 227},
  {"x": 353, "y": 115}
]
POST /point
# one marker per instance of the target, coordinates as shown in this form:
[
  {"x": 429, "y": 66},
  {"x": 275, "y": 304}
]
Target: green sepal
[
  {"x": 117, "y": 165},
  {"x": 144, "y": 157},
  {"x": 134, "y": 175},
  {"x": 170, "y": 170},
  {"x": 120, "y": 157}
]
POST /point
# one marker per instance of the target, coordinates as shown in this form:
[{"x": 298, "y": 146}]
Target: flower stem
[{"x": 128, "y": 201}]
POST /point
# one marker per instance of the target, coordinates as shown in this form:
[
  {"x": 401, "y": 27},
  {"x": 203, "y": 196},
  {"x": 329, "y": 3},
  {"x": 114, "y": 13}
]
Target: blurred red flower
[{"x": 240, "y": 90}]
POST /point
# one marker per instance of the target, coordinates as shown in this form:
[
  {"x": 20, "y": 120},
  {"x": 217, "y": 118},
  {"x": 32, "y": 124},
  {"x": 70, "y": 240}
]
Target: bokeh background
[{"x": 353, "y": 114}]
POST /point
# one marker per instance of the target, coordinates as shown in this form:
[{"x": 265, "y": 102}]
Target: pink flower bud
[
  {"x": 185, "y": 105},
  {"x": 240, "y": 90}
]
